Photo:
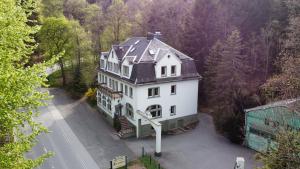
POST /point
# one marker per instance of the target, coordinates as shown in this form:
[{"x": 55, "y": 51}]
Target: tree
[
  {"x": 286, "y": 84},
  {"x": 117, "y": 26},
  {"x": 52, "y": 8},
  {"x": 19, "y": 84},
  {"x": 56, "y": 37},
  {"x": 94, "y": 22},
  {"x": 229, "y": 81},
  {"x": 84, "y": 69},
  {"x": 286, "y": 153}
]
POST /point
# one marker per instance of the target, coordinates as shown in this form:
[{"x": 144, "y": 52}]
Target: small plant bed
[{"x": 149, "y": 162}]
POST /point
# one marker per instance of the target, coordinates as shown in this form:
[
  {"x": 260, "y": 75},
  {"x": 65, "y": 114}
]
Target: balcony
[{"x": 102, "y": 87}]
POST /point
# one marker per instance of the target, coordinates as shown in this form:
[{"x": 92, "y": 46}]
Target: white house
[{"x": 144, "y": 74}]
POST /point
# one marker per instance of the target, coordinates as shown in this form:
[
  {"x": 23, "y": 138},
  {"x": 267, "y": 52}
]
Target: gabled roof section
[
  {"x": 139, "y": 45},
  {"x": 120, "y": 50}
]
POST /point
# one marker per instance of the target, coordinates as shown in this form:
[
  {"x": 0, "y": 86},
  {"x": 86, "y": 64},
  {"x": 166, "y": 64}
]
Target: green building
[{"x": 263, "y": 122}]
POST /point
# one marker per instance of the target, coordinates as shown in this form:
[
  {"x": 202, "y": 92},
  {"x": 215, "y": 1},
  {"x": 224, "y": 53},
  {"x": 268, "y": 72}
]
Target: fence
[{"x": 149, "y": 161}]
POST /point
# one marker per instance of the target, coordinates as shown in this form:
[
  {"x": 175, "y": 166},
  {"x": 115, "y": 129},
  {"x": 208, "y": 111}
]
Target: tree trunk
[{"x": 61, "y": 64}]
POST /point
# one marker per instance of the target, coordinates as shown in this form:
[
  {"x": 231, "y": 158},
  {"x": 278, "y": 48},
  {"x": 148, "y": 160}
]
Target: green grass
[{"x": 149, "y": 164}]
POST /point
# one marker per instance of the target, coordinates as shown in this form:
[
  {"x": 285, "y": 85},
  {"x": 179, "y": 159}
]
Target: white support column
[
  {"x": 157, "y": 128},
  {"x": 158, "y": 141},
  {"x": 240, "y": 163}
]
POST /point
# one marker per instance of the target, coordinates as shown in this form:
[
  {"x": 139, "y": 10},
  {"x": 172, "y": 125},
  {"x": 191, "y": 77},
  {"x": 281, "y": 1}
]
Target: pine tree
[{"x": 230, "y": 88}]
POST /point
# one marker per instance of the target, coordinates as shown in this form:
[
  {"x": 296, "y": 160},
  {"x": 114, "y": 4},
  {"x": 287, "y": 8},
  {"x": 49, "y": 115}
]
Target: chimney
[{"x": 157, "y": 35}]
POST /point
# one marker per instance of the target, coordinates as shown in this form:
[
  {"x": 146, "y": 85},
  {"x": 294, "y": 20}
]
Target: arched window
[
  {"x": 155, "y": 110},
  {"x": 129, "y": 110},
  {"x": 104, "y": 101},
  {"x": 109, "y": 104}
]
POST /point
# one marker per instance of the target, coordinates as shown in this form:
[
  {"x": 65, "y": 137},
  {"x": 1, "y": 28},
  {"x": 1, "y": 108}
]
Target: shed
[{"x": 262, "y": 123}]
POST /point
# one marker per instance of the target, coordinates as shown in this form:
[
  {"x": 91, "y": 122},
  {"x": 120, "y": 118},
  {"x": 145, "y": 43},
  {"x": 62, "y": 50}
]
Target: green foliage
[
  {"x": 228, "y": 80},
  {"x": 149, "y": 163},
  {"x": 20, "y": 97},
  {"x": 285, "y": 155},
  {"x": 52, "y": 8},
  {"x": 118, "y": 26}
]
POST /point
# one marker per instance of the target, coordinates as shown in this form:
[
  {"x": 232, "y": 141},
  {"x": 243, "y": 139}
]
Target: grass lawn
[{"x": 149, "y": 162}]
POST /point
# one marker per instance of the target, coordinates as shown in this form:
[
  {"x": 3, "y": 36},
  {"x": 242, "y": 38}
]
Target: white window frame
[
  {"x": 155, "y": 109},
  {"x": 173, "y": 74},
  {"x": 130, "y": 92},
  {"x": 125, "y": 70},
  {"x": 161, "y": 71},
  {"x": 152, "y": 92},
  {"x": 174, "y": 110},
  {"x": 175, "y": 88}
]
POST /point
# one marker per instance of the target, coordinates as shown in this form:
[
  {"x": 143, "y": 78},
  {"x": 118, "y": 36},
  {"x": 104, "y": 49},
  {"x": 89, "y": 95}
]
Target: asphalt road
[
  {"x": 69, "y": 151},
  {"x": 79, "y": 136}
]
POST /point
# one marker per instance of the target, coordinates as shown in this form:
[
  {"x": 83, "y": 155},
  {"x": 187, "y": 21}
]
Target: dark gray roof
[
  {"x": 120, "y": 50},
  {"x": 143, "y": 53}
]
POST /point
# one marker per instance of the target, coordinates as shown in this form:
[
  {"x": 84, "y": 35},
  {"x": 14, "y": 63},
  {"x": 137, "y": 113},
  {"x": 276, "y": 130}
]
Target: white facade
[{"x": 170, "y": 97}]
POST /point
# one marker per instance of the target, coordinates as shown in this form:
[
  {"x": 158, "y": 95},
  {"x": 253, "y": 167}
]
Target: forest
[{"x": 247, "y": 51}]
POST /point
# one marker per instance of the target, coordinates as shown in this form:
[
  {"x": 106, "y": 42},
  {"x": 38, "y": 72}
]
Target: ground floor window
[
  {"x": 129, "y": 110},
  {"x": 99, "y": 98},
  {"x": 155, "y": 110},
  {"x": 103, "y": 101},
  {"x": 109, "y": 104}
]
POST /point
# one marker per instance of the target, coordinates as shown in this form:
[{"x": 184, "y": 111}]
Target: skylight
[
  {"x": 131, "y": 50},
  {"x": 137, "y": 42}
]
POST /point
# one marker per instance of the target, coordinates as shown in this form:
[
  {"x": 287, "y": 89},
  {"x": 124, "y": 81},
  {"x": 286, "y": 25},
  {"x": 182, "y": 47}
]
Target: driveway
[
  {"x": 92, "y": 140},
  {"x": 79, "y": 136},
  {"x": 201, "y": 148}
]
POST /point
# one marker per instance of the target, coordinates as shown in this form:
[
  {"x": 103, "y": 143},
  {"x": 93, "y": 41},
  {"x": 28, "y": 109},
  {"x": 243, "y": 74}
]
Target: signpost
[{"x": 118, "y": 162}]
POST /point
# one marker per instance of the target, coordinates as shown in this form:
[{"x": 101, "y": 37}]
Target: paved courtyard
[{"x": 201, "y": 148}]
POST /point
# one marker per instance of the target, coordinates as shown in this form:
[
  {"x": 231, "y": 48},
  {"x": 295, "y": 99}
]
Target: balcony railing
[{"x": 109, "y": 92}]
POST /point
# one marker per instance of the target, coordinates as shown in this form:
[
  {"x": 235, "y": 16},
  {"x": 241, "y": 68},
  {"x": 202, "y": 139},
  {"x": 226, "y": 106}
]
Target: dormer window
[
  {"x": 126, "y": 71},
  {"x": 109, "y": 65},
  {"x": 163, "y": 71},
  {"x": 102, "y": 62},
  {"x": 173, "y": 70}
]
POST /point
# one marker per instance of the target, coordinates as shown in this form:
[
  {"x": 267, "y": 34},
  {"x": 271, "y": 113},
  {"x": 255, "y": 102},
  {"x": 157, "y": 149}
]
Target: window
[
  {"x": 113, "y": 84},
  {"x": 173, "y": 70},
  {"x": 163, "y": 71},
  {"x": 116, "y": 86},
  {"x": 105, "y": 79},
  {"x": 173, "y": 89},
  {"x": 102, "y": 63},
  {"x": 99, "y": 98},
  {"x": 104, "y": 101},
  {"x": 154, "y": 110},
  {"x": 126, "y": 90},
  {"x": 109, "y": 64},
  {"x": 110, "y": 83},
  {"x": 129, "y": 110},
  {"x": 121, "y": 87},
  {"x": 153, "y": 92},
  {"x": 130, "y": 92},
  {"x": 116, "y": 67},
  {"x": 173, "y": 110},
  {"x": 109, "y": 104},
  {"x": 126, "y": 71}
]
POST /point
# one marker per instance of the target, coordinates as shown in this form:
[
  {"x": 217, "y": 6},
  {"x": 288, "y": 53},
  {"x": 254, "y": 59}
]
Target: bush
[
  {"x": 91, "y": 96},
  {"x": 231, "y": 125}
]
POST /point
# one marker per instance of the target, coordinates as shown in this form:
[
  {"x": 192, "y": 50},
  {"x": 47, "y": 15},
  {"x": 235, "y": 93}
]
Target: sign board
[{"x": 118, "y": 162}]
